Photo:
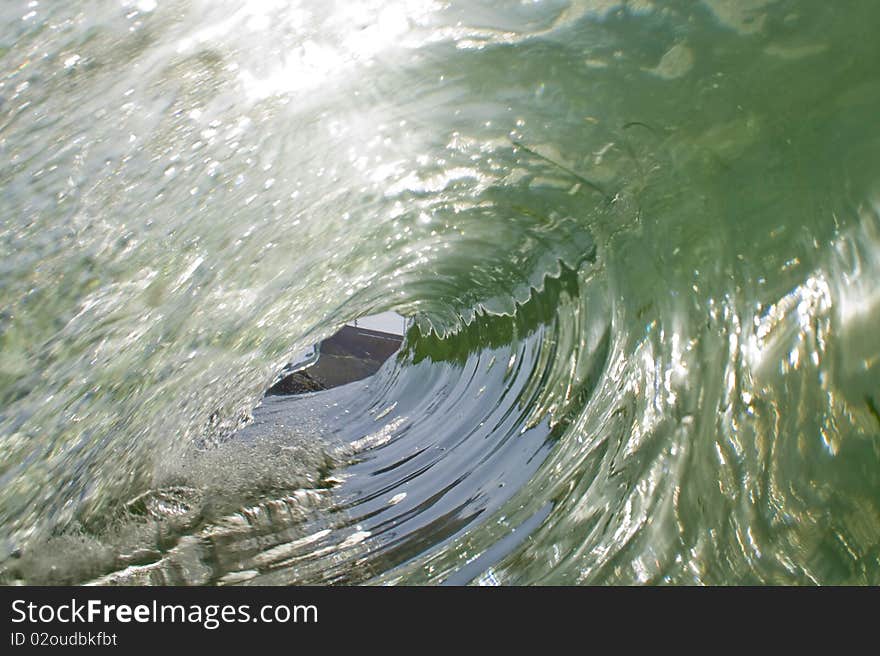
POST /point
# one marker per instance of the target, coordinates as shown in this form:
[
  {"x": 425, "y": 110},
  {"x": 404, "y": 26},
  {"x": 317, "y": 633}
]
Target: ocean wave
[{"x": 637, "y": 244}]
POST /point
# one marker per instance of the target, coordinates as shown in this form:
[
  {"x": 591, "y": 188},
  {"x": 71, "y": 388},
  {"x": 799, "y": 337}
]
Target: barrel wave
[{"x": 638, "y": 244}]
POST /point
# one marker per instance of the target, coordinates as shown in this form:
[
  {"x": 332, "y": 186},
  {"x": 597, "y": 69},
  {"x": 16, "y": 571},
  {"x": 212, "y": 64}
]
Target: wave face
[{"x": 639, "y": 243}]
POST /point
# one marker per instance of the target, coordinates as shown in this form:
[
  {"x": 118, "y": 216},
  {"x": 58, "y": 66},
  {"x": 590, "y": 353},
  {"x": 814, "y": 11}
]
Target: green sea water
[{"x": 637, "y": 242}]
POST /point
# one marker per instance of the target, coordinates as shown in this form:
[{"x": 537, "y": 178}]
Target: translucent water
[{"x": 638, "y": 242}]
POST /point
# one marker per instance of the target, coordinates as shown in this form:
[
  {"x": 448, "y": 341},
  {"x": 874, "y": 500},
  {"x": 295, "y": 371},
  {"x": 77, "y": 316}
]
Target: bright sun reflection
[{"x": 353, "y": 33}]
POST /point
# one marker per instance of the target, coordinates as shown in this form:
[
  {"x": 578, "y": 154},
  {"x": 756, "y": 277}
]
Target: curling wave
[{"x": 639, "y": 244}]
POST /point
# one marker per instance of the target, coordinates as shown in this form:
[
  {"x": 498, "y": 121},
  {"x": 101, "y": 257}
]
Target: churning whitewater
[{"x": 637, "y": 242}]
